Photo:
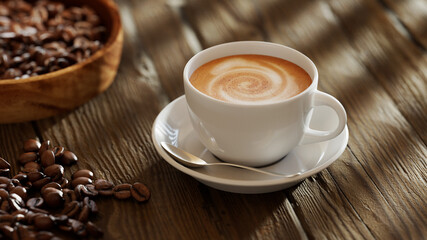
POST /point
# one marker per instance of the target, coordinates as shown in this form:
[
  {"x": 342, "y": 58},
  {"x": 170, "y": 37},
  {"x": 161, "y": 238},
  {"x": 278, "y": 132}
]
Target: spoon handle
[{"x": 254, "y": 169}]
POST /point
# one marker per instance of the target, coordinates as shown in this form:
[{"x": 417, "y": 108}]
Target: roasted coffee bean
[
  {"x": 83, "y": 173},
  {"x": 28, "y": 170},
  {"x": 21, "y": 191},
  {"x": 47, "y": 158},
  {"x": 41, "y": 182},
  {"x": 4, "y": 180},
  {"x": 50, "y": 185},
  {"x": 89, "y": 190},
  {"x": 64, "y": 183},
  {"x": 102, "y": 184},
  {"x": 32, "y": 165},
  {"x": 44, "y": 146},
  {"x": 59, "y": 152},
  {"x": 54, "y": 171},
  {"x": 31, "y": 145},
  {"x": 4, "y": 194},
  {"x": 84, "y": 214},
  {"x": 43, "y": 222},
  {"x": 68, "y": 158},
  {"x": 91, "y": 204},
  {"x": 93, "y": 230},
  {"x": 34, "y": 176},
  {"x": 27, "y": 157},
  {"x": 35, "y": 202},
  {"x": 71, "y": 209},
  {"x": 53, "y": 197},
  {"x": 78, "y": 228},
  {"x": 81, "y": 180},
  {"x": 22, "y": 178},
  {"x": 15, "y": 201},
  {"x": 122, "y": 191},
  {"x": 140, "y": 192}
]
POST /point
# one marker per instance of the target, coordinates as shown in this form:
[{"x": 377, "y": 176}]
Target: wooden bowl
[{"x": 63, "y": 90}]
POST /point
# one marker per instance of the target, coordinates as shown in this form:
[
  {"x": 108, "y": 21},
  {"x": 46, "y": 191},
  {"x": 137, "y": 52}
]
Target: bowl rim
[{"x": 116, "y": 27}]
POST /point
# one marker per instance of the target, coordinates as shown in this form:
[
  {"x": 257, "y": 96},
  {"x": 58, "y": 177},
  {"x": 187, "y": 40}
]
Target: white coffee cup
[{"x": 257, "y": 134}]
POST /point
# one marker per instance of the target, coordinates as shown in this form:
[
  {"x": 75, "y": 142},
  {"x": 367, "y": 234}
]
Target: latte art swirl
[{"x": 250, "y": 79}]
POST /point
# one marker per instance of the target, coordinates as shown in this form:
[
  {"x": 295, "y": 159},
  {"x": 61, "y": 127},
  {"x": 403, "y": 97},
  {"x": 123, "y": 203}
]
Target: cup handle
[{"x": 324, "y": 99}]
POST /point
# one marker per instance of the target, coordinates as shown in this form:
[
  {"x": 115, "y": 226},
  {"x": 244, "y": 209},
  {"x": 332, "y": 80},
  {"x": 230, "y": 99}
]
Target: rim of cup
[{"x": 259, "y": 44}]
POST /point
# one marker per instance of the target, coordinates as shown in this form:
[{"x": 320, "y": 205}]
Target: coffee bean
[
  {"x": 44, "y": 146},
  {"x": 47, "y": 158},
  {"x": 4, "y": 194},
  {"x": 41, "y": 182},
  {"x": 91, "y": 204},
  {"x": 4, "y": 180},
  {"x": 54, "y": 198},
  {"x": 15, "y": 201},
  {"x": 71, "y": 209},
  {"x": 78, "y": 228},
  {"x": 83, "y": 173},
  {"x": 27, "y": 157},
  {"x": 43, "y": 222},
  {"x": 122, "y": 191},
  {"x": 64, "y": 183},
  {"x": 75, "y": 206},
  {"x": 84, "y": 214},
  {"x": 90, "y": 191},
  {"x": 21, "y": 177},
  {"x": 31, "y": 145},
  {"x": 34, "y": 176},
  {"x": 102, "y": 184},
  {"x": 54, "y": 171},
  {"x": 81, "y": 180},
  {"x": 36, "y": 202},
  {"x": 140, "y": 192},
  {"x": 21, "y": 191},
  {"x": 68, "y": 158},
  {"x": 50, "y": 185},
  {"x": 59, "y": 152},
  {"x": 32, "y": 165}
]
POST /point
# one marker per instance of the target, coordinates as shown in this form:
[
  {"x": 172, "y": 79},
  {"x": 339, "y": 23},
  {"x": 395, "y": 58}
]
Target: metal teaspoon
[{"x": 190, "y": 160}]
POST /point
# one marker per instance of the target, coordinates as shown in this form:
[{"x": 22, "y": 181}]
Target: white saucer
[{"x": 173, "y": 125}]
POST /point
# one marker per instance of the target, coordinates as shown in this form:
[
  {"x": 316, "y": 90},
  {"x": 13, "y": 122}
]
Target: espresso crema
[{"x": 250, "y": 79}]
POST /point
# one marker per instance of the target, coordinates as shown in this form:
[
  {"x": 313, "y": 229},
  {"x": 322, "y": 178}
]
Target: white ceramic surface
[
  {"x": 261, "y": 133},
  {"x": 173, "y": 125}
]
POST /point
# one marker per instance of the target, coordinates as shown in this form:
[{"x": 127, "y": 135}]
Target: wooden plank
[
  {"x": 160, "y": 34},
  {"x": 380, "y": 137},
  {"x": 393, "y": 59},
  {"x": 413, "y": 15},
  {"x": 222, "y": 21}
]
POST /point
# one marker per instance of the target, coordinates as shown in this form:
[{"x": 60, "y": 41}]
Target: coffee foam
[{"x": 250, "y": 79}]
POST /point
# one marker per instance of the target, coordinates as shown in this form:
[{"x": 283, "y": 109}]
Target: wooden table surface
[{"x": 371, "y": 55}]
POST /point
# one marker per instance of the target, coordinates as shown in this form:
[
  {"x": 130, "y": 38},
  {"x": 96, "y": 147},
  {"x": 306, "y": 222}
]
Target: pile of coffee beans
[
  {"x": 39, "y": 201},
  {"x": 42, "y": 36}
]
